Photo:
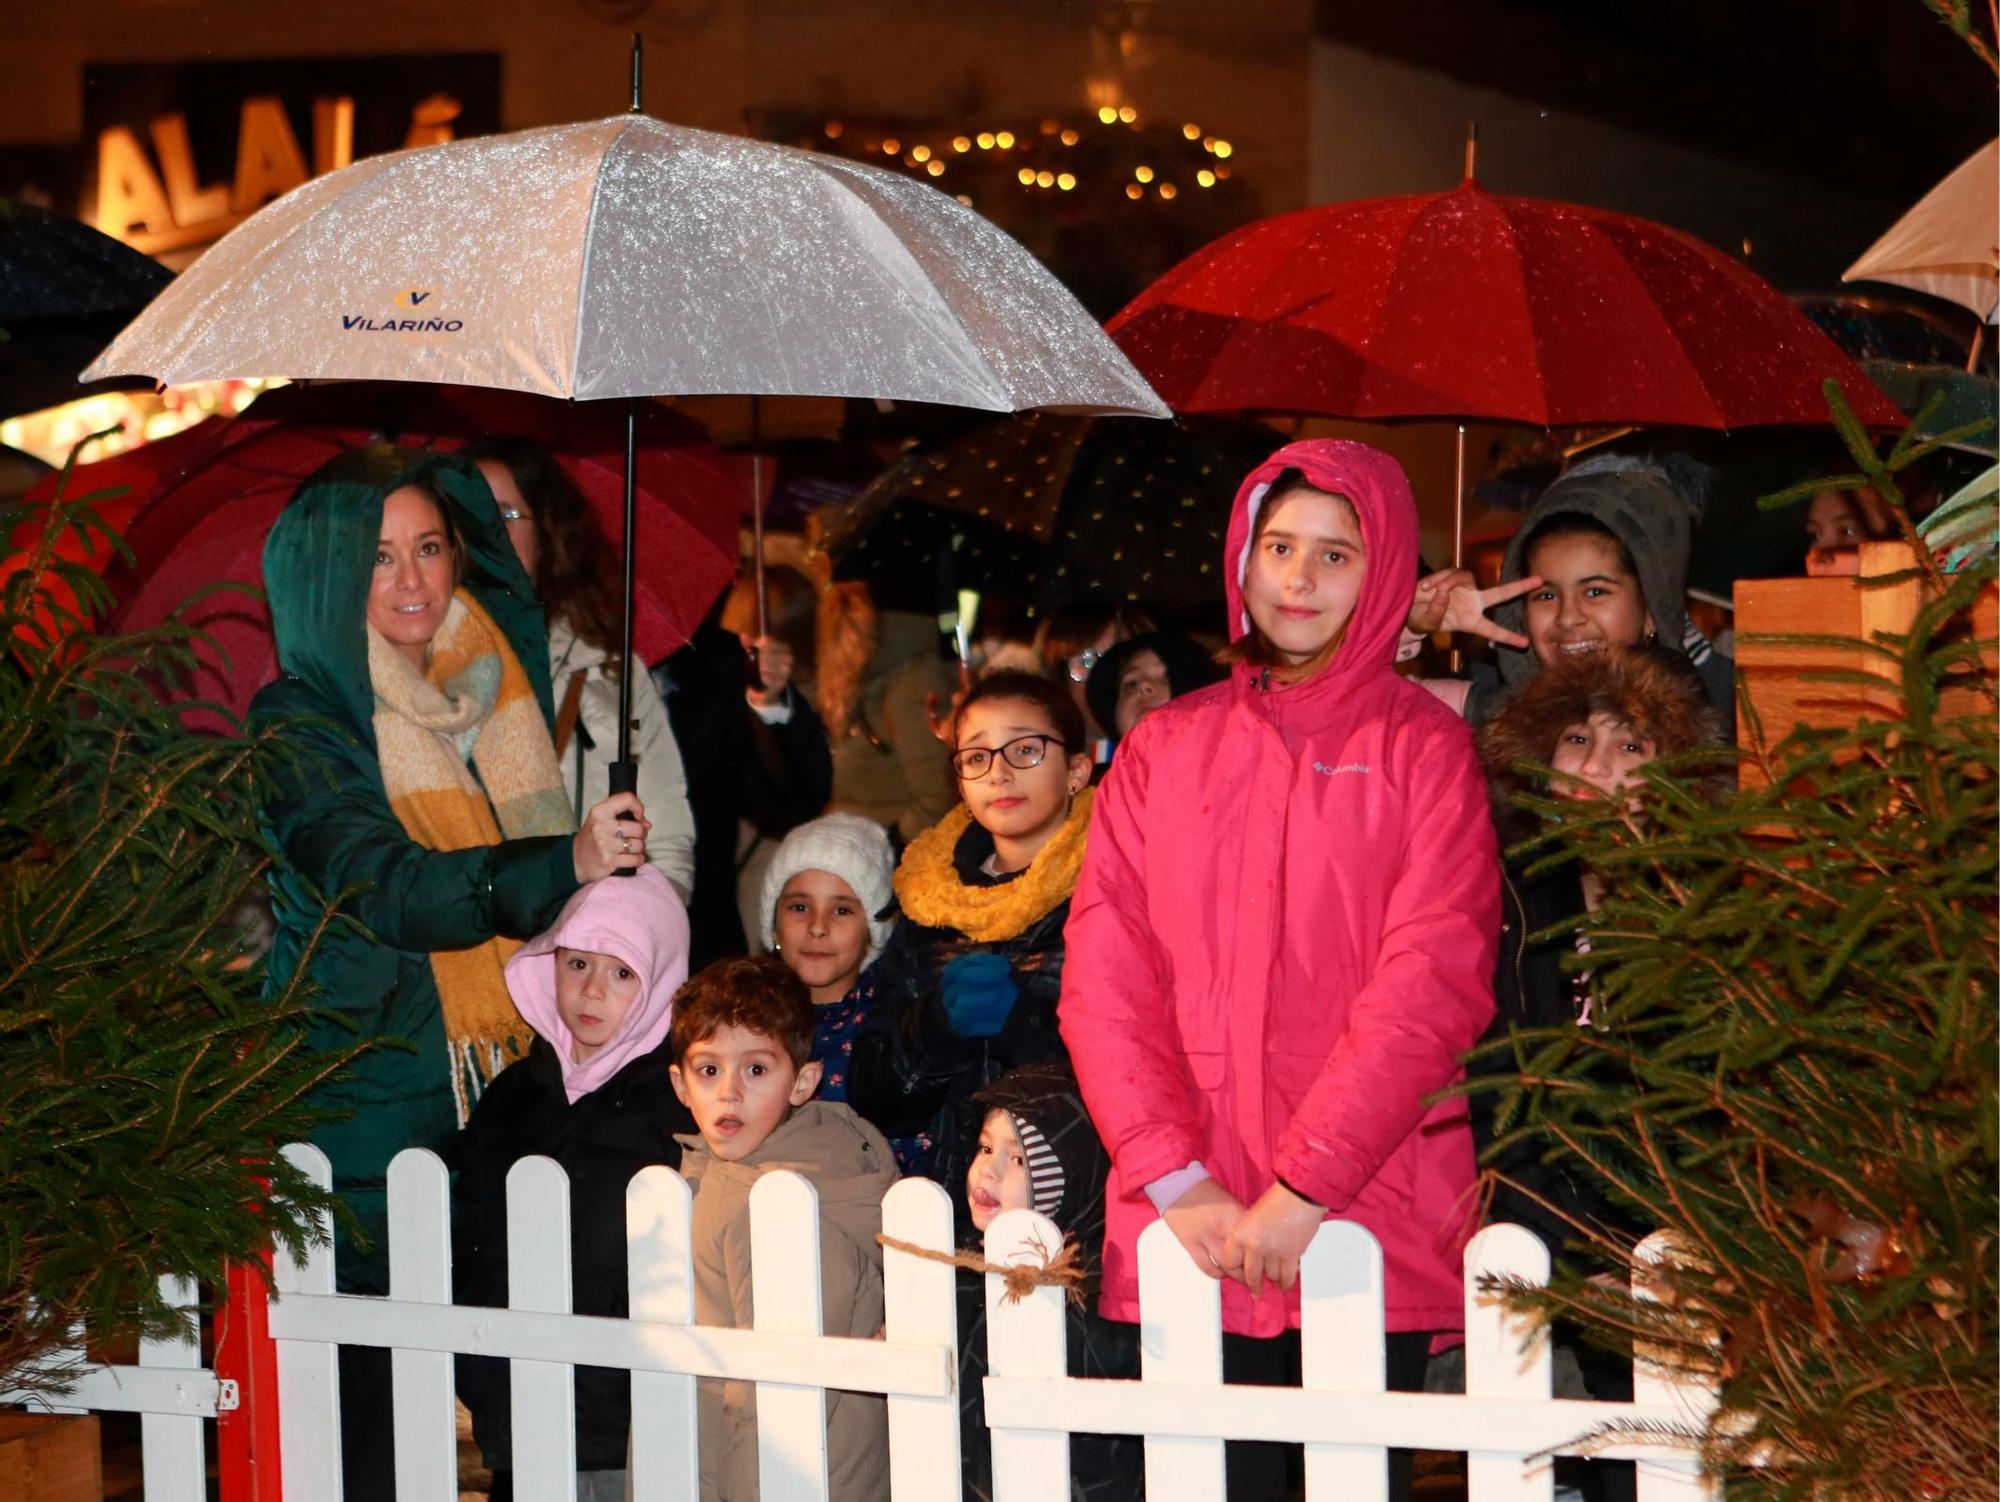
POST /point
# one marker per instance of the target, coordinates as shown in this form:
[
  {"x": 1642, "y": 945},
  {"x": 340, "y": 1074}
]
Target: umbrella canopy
[
  {"x": 691, "y": 493},
  {"x": 1469, "y": 304},
  {"x": 212, "y": 527},
  {"x": 626, "y": 257},
  {"x": 1949, "y": 244},
  {"x": 52, "y": 267},
  {"x": 65, "y": 290},
  {"x": 1125, "y": 509}
]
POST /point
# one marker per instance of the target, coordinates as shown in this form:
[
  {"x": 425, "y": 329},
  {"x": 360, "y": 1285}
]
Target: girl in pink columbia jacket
[{"x": 1283, "y": 936}]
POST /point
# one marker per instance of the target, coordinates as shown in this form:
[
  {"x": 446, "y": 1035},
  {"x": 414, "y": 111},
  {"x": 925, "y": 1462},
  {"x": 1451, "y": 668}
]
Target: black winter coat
[
  {"x": 1533, "y": 991},
  {"x": 912, "y": 1072},
  {"x": 1103, "y": 1467},
  {"x": 602, "y": 1141},
  {"x": 776, "y": 777}
]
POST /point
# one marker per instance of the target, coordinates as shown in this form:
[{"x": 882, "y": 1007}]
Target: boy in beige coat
[{"x": 741, "y": 1044}]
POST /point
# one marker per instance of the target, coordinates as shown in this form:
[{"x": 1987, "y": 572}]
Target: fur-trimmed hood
[{"x": 1651, "y": 688}]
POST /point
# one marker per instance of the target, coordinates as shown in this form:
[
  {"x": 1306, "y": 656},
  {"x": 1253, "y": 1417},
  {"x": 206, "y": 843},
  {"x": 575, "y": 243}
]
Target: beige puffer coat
[{"x": 851, "y": 1167}]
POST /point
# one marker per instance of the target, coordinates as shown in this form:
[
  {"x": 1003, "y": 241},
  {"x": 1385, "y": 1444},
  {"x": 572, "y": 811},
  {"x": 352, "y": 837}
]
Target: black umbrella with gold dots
[{"x": 1051, "y": 507}]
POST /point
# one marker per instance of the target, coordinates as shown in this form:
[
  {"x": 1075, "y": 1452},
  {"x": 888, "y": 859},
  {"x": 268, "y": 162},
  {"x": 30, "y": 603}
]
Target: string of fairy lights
[{"x": 1111, "y": 151}]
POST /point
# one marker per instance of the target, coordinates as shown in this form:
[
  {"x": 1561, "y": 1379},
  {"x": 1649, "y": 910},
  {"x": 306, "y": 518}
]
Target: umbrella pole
[
  {"x": 1972, "y": 358},
  {"x": 624, "y": 772},
  {"x": 757, "y": 513},
  {"x": 1458, "y": 501}
]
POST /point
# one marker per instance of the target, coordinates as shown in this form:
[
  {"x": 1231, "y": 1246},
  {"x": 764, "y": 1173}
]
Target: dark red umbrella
[
  {"x": 1469, "y": 304},
  {"x": 211, "y": 528}
]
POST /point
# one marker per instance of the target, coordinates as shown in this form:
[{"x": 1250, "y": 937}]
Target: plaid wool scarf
[{"x": 473, "y": 700}]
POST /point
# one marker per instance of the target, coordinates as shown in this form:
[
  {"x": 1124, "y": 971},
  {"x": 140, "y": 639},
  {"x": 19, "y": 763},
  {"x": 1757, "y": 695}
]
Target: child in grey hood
[{"x": 1607, "y": 548}]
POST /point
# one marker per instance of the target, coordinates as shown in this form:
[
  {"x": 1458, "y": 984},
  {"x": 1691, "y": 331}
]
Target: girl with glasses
[{"x": 969, "y": 981}]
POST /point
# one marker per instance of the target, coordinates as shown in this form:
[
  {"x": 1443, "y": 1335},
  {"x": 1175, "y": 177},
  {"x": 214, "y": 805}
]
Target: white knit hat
[{"x": 845, "y": 845}]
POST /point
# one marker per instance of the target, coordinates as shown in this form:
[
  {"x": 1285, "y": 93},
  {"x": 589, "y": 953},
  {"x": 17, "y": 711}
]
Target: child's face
[
  {"x": 822, "y": 933},
  {"x": 1305, "y": 572},
  {"x": 740, "y": 1086},
  {"x": 1603, "y": 754},
  {"x": 1142, "y": 688},
  {"x": 1022, "y": 804},
  {"x": 593, "y": 994},
  {"x": 998, "y": 1177},
  {"x": 1586, "y": 601}
]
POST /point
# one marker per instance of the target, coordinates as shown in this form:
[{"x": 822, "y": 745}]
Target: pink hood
[
  {"x": 1283, "y": 937},
  {"x": 639, "y": 920},
  {"x": 1380, "y": 494}
]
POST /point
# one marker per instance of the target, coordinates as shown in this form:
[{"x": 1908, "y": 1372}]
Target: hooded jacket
[
  {"x": 602, "y": 1120},
  {"x": 1642, "y": 509},
  {"x": 1283, "y": 938},
  {"x": 341, "y": 840},
  {"x": 1103, "y": 1468},
  {"x": 593, "y": 745},
  {"x": 1188, "y": 668},
  {"x": 1658, "y": 694},
  {"x": 851, "y": 1168}
]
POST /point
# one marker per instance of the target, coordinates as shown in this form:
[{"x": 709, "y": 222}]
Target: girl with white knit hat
[{"x": 828, "y": 908}]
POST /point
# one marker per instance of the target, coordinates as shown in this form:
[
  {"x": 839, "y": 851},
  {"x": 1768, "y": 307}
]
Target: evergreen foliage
[
  {"x": 145, "y": 1082},
  {"x": 1793, "y": 1074}
]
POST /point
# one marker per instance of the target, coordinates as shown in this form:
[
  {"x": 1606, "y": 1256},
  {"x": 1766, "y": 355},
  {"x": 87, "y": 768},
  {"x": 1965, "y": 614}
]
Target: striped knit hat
[
  {"x": 1067, "y": 1167},
  {"x": 1045, "y": 1170}
]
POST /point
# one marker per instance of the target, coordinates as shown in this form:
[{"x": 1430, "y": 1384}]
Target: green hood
[{"x": 320, "y": 556}]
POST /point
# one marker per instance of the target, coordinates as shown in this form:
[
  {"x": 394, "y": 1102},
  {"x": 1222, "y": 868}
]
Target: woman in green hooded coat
[
  {"x": 424, "y": 806},
  {"x": 426, "y": 809}
]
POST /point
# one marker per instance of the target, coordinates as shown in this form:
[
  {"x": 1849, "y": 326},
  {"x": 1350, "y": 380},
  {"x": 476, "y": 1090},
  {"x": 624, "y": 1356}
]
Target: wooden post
[
  {"x": 785, "y": 1287},
  {"x": 1497, "y": 1366},
  {"x": 1026, "y": 1339},
  {"x": 921, "y": 1298},
  {"x": 1180, "y": 1345},
  {"x": 246, "y": 1437},
  {"x": 1343, "y": 1350},
  {"x": 426, "y": 1424},
  {"x": 660, "y": 1271},
  {"x": 308, "y": 1371},
  {"x": 538, "y": 1277}
]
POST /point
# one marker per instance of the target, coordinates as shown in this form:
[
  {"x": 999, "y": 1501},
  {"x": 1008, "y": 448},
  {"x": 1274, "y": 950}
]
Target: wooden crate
[
  {"x": 48, "y": 1457},
  {"x": 1777, "y": 677}
]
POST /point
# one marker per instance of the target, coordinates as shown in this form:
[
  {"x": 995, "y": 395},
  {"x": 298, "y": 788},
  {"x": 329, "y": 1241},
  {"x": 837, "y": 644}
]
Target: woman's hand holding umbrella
[
  {"x": 613, "y": 838},
  {"x": 1451, "y": 600}
]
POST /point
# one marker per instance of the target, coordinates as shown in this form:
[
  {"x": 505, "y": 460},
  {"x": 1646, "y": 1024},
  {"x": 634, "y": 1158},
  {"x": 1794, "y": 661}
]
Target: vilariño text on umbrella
[{"x": 364, "y": 324}]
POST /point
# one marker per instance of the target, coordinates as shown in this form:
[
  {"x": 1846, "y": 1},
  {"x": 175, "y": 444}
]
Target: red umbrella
[
  {"x": 136, "y": 475},
  {"x": 1469, "y": 304},
  {"x": 212, "y": 526},
  {"x": 696, "y": 493}
]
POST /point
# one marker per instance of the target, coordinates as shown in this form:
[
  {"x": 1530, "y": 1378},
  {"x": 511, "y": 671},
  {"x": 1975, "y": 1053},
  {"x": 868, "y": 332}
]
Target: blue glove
[{"x": 979, "y": 991}]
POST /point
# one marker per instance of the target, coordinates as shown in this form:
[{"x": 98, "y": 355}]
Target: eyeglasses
[
  {"x": 1022, "y": 753},
  {"x": 1081, "y": 664}
]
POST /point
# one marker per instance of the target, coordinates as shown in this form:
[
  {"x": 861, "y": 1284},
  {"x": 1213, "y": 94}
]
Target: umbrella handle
[{"x": 624, "y": 778}]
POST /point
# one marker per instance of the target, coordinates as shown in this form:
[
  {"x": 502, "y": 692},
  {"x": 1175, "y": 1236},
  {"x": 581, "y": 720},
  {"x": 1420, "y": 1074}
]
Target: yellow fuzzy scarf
[
  {"x": 929, "y": 888},
  {"x": 472, "y": 698}
]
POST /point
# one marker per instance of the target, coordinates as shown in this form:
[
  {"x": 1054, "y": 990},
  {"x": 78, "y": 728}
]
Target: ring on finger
[{"x": 624, "y": 844}]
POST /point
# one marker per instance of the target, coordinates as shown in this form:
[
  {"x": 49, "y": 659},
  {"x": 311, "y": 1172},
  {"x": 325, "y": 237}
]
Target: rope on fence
[{"x": 1065, "y": 1270}]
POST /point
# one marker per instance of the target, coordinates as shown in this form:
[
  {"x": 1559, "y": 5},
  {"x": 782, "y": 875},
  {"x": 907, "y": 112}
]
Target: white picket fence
[
  {"x": 1506, "y": 1421},
  {"x": 171, "y": 1390}
]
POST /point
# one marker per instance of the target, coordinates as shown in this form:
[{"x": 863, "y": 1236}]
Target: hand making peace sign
[{"x": 1451, "y": 600}]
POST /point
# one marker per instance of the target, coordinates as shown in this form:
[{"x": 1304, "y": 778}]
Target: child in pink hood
[
  {"x": 593, "y": 1094},
  {"x": 1282, "y": 941}
]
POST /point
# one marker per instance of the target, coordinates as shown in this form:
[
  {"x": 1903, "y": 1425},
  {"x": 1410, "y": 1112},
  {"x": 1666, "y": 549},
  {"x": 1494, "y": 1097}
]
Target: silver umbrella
[{"x": 630, "y": 258}]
